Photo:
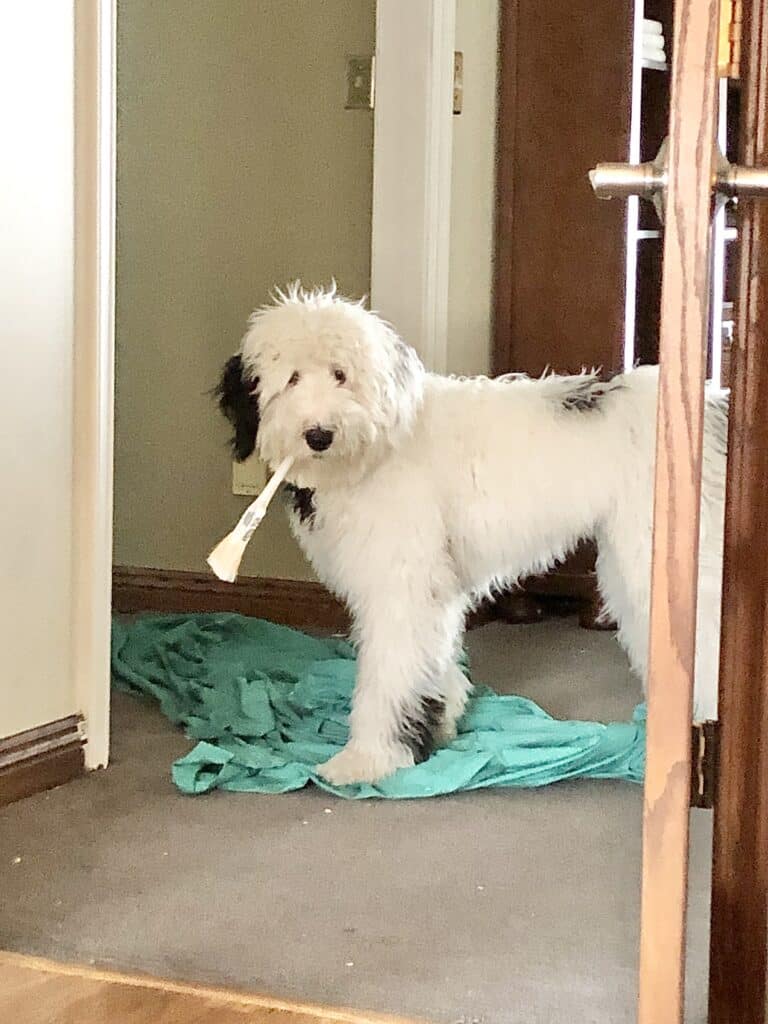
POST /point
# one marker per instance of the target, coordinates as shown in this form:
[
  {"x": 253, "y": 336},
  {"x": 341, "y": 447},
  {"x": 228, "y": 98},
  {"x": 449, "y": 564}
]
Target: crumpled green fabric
[{"x": 267, "y": 704}]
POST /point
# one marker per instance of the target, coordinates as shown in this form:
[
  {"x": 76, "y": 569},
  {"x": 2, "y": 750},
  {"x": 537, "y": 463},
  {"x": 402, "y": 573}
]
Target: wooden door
[
  {"x": 740, "y": 882},
  {"x": 565, "y": 103},
  {"x": 683, "y": 337},
  {"x": 739, "y": 931},
  {"x": 565, "y": 76},
  {"x": 549, "y": 311},
  {"x": 739, "y": 937}
]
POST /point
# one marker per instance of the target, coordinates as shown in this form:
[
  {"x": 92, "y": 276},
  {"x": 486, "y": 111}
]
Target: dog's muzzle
[{"x": 318, "y": 438}]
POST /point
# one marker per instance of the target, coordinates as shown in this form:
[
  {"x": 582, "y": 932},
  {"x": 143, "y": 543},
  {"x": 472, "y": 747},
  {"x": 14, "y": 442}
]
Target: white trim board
[
  {"x": 413, "y": 138},
  {"x": 94, "y": 367}
]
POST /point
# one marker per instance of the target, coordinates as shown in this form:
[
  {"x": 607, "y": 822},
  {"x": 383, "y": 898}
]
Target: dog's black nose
[{"x": 318, "y": 438}]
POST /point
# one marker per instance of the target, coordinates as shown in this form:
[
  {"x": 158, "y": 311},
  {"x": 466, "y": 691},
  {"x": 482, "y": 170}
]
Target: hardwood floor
[{"x": 34, "y": 991}]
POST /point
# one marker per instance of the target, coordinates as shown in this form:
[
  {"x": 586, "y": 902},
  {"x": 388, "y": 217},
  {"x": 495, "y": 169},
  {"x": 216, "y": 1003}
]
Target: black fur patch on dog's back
[
  {"x": 586, "y": 394},
  {"x": 418, "y": 727},
  {"x": 302, "y": 502},
  {"x": 238, "y": 401}
]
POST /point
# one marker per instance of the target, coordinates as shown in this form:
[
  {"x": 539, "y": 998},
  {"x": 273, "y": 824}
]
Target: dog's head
[{"x": 320, "y": 379}]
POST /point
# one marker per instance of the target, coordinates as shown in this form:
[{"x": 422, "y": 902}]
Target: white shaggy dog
[{"x": 414, "y": 494}]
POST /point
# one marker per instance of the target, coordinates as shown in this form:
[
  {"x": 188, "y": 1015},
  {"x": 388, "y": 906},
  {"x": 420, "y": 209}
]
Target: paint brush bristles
[{"x": 226, "y": 556}]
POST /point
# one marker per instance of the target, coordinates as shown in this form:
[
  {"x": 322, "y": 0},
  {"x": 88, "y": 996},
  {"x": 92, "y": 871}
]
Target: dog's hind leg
[
  {"x": 455, "y": 689},
  {"x": 400, "y": 706}
]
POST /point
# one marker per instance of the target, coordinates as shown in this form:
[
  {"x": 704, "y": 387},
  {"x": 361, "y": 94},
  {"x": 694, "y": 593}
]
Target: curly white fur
[{"x": 434, "y": 490}]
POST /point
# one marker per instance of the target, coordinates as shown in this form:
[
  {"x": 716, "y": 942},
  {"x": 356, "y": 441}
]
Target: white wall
[
  {"x": 36, "y": 350},
  {"x": 472, "y": 191}
]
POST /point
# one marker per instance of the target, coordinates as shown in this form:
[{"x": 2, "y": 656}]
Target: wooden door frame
[
  {"x": 94, "y": 126},
  {"x": 739, "y": 928},
  {"x": 506, "y": 105}
]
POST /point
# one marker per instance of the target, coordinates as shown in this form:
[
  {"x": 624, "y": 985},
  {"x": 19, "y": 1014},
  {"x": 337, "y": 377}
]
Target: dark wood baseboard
[
  {"x": 574, "y": 580},
  {"x": 40, "y": 758},
  {"x": 297, "y": 603},
  {"x": 304, "y": 604},
  {"x": 579, "y": 586}
]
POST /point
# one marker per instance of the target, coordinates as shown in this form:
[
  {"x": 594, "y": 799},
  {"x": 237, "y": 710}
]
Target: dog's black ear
[{"x": 238, "y": 400}]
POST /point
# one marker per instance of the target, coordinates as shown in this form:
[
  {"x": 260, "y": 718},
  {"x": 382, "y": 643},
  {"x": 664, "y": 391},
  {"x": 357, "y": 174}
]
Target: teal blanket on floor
[{"x": 267, "y": 704}]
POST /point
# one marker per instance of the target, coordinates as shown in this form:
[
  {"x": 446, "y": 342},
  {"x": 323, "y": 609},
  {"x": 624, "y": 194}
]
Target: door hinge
[
  {"x": 705, "y": 738},
  {"x": 360, "y": 79},
  {"x": 458, "y": 82},
  {"x": 729, "y": 42}
]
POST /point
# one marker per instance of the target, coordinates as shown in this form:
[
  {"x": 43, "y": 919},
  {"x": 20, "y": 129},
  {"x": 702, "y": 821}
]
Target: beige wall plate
[
  {"x": 359, "y": 83},
  {"x": 249, "y": 477}
]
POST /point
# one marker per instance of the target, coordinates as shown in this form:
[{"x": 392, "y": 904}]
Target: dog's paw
[
  {"x": 446, "y": 733},
  {"x": 352, "y": 765}
]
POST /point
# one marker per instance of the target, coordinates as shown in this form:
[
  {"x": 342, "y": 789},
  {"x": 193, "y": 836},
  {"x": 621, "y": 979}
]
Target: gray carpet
[{"x": 515, "y": 907}]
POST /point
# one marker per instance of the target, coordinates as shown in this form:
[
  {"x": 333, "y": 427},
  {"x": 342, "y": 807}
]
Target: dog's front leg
[{"x": 398, "y": 706}]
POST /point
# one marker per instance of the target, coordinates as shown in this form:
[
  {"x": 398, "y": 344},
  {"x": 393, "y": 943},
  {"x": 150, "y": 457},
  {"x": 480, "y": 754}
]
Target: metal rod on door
[{"x": 719, "y": 248}]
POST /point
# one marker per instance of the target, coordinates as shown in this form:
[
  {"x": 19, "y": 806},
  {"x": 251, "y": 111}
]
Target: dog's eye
[
  {"x": 293, "y": 380},
  {"x": 340, "y": 376}
]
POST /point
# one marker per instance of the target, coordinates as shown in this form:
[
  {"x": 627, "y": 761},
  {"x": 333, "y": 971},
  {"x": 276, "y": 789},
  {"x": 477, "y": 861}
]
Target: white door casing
[
  {"x": 413, "y": 138},
  {"x": 93, "y": 368}
]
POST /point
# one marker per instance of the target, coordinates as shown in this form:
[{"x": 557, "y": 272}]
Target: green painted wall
[{"x": 238, "y": 168}]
